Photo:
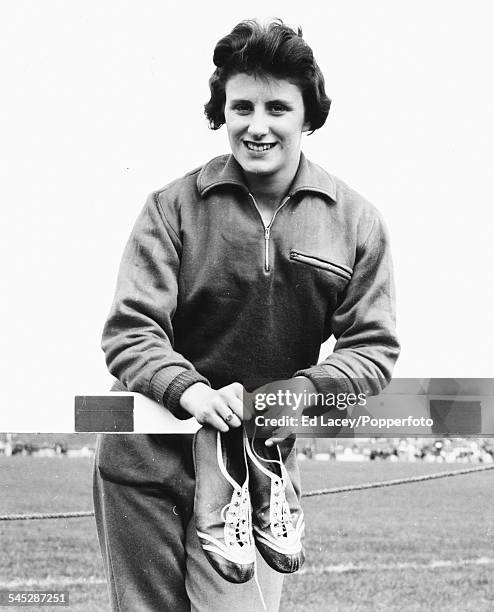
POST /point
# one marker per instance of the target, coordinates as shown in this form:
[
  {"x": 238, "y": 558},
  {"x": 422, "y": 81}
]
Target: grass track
[{"x": 448, "y": 520}]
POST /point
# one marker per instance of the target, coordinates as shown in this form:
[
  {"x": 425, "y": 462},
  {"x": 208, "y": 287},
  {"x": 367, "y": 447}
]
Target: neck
[{"x": 273, "y": 187}]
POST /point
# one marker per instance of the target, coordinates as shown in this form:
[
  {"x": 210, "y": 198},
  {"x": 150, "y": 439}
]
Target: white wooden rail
[{"x": 452, "y": 407}]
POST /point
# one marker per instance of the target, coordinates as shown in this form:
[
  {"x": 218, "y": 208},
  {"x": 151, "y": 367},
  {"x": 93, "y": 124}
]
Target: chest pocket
[{"x": 315, "y": 261}]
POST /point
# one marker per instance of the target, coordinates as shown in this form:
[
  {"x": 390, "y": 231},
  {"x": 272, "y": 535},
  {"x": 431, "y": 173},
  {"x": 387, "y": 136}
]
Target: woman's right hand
[{"x": 219, "y": 408}]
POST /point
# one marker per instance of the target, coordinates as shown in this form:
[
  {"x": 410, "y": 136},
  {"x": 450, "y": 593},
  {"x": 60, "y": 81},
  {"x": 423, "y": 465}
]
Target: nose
[{"x": 258, "y": 126}]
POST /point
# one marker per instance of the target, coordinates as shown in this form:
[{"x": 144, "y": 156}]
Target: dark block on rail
[
  {"x": 105, "y": 413},
  {"x": 456, "y": 417}
]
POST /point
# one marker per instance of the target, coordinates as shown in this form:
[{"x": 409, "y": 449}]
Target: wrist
[
  {"x": 178, "y": 386},
  {"x": 190, "y": 394},
  {"x": 307, "y": 383}
]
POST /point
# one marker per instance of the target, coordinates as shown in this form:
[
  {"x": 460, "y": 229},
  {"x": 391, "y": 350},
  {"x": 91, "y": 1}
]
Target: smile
[{"x": 252, "y": 146}]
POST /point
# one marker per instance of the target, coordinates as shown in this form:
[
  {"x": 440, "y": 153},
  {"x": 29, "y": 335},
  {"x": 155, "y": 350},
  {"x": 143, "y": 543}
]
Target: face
[{"x": 265, "y": 118}]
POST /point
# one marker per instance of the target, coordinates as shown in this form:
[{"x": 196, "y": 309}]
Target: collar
[{"x": 225, "y": 170}]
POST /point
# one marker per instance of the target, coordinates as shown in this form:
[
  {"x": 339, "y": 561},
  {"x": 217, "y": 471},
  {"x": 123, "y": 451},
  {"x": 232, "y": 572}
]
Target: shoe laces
[
  {"x": 237, "y": 514},
  {"x": 280, "y": 517},
  {"x": 238, "y": 519},
  {"x": 279, "y": 511}
]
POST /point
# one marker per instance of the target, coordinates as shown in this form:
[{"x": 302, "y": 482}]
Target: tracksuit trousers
[{"x": 143, "y": 500}]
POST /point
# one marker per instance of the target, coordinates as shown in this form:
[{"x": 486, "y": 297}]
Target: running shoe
[
  {"x": 222, "y": 508},
  {"x": 277, "y": 516}
]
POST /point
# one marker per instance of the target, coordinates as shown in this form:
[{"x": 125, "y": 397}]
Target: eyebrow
[{"x": 274, "y": 101}]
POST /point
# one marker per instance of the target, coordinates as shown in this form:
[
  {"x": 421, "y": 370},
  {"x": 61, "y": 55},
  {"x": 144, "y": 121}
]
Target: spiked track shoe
[
  {"x": 277, "y": 517},
  {"x": 222, "y": 507}
]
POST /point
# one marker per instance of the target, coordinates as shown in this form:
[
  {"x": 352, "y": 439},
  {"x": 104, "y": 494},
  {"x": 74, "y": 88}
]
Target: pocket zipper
[{"x": 323, "y": 264}]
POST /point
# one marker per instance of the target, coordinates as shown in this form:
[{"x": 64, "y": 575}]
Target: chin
[
  {"x": 259, "y": 170},
  {"x": 255, "y": 166}
]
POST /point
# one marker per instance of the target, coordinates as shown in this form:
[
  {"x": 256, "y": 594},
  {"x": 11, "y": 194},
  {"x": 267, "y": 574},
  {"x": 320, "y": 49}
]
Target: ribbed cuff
[
  {"x": 327, "y": 379},
  {"x": 174, "y": 391}
]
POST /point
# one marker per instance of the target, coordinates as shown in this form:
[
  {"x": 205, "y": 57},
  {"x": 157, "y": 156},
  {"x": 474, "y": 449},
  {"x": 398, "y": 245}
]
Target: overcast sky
[{"x": 102, "y": 103}]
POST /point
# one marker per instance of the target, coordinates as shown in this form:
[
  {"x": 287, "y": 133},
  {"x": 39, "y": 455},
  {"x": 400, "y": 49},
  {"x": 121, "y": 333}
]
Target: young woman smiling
[{"x": 232, "y": 278}]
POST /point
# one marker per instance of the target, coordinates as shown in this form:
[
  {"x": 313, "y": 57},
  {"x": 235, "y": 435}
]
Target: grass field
[{"x": 425, "y": 546}]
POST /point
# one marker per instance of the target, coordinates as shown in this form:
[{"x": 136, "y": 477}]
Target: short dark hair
[{"x": 273, "y": 49}]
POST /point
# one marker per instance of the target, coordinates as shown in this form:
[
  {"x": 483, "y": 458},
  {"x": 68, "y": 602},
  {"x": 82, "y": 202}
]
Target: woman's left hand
[{"x": 278, "y": 399}]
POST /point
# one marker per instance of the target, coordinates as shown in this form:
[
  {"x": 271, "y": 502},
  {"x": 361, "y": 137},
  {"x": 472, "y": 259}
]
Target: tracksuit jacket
[{"x": 207, "y": 292}]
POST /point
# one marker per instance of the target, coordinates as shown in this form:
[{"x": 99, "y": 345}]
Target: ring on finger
[{"x": 228, "y": 417}]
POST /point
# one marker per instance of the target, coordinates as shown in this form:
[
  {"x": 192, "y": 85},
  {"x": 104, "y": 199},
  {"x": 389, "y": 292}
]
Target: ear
[{"x": 306, "y": 127}]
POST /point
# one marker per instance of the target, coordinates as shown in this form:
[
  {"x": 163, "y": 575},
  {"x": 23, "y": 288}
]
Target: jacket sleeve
[
  {"x": 138, "y": 334},
  {"x": 363, "y": 324}
]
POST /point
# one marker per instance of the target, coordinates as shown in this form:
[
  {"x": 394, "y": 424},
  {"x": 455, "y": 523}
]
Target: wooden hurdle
[{"x": 445, "y": 407}]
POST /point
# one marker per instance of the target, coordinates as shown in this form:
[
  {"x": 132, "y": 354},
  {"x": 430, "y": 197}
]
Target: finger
[
  {"x": 236, "y": 406},
  {"x": 229, "y": 395},
  {"x": 273, "y": 441},
  {"x": 234, "y": 389},
  {"x": 217, "y": 422},
  {"x": 230, "y": 418},
  {"x": 221, "y": 410},
  {"x": 277, "y": 436},
  {"x": 238, "y": 390},
  {"x": 212, "y": 415}
]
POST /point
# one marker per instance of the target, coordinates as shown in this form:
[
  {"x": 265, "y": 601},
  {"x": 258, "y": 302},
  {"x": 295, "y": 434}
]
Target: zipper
[
  {"x": 323, "y": 264},
  {"x": 267, "y": 228},
  {"x": 267, "y": 231}
]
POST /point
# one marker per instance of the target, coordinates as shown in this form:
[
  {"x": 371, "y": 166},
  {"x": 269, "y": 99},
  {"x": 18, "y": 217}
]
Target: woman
[{"x": 232, "y": 278}]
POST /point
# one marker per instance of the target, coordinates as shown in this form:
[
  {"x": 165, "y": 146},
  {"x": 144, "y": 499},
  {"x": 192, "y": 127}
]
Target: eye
[
  {"x": 277, "y": 108},
  {"x": 242, "y": 108}
]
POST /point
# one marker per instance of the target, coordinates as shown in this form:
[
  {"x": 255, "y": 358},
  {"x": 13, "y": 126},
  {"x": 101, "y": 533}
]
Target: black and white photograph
[{"x": 247, "y": 274}]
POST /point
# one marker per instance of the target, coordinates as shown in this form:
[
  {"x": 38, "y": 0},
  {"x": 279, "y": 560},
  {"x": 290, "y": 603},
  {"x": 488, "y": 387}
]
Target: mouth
[{"x": 259, "y": 147}]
